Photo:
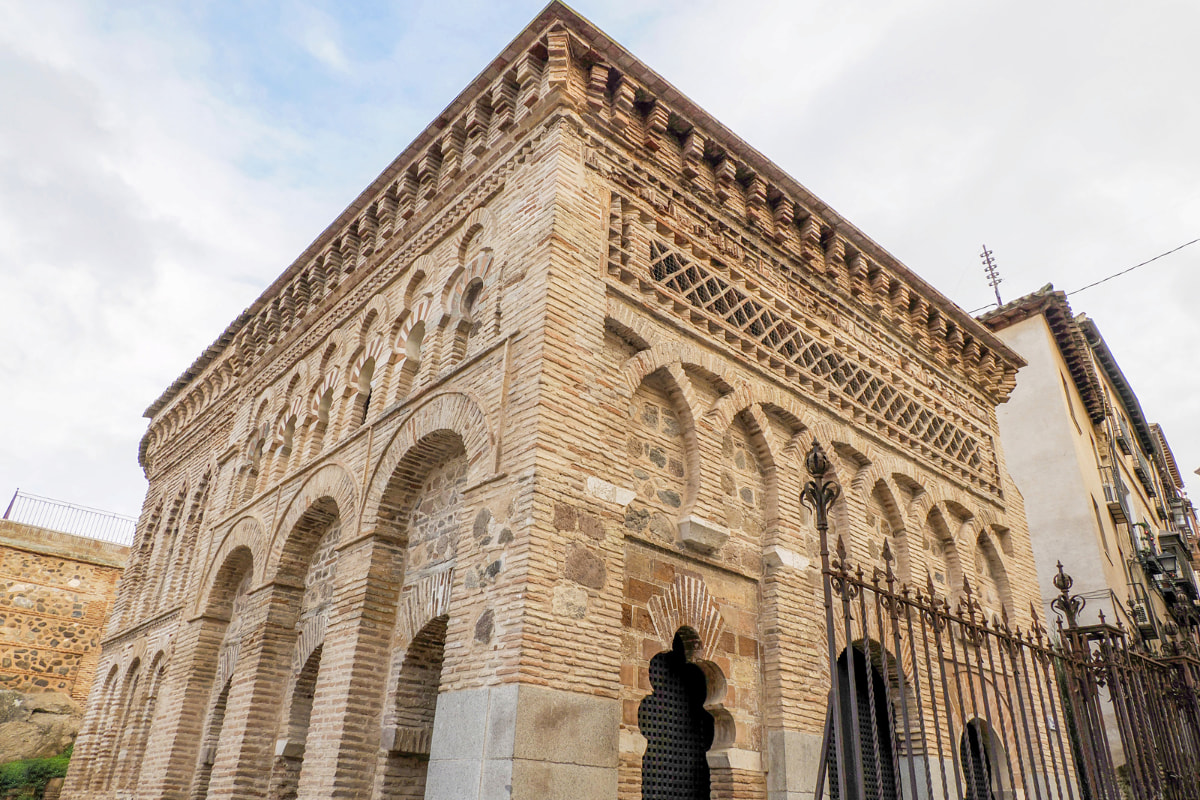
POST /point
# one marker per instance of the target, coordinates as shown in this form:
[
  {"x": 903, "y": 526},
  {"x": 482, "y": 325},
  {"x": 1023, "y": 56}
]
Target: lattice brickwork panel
[{"x": 759, "y": 323}]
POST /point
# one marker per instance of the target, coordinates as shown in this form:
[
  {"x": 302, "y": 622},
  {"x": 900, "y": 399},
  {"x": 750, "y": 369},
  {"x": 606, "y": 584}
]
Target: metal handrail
[{"x": 77, "y": 520}]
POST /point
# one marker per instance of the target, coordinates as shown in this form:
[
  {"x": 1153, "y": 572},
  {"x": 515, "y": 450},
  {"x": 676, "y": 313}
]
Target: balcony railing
[
  {"x": 1144, "y": 472},
  {"x": 1123, "y": 436},
  {"x": 55, "y": 515}
]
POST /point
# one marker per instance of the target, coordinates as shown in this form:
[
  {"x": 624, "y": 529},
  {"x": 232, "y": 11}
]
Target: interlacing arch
[
  {"x": 367, "y": 371},
  {"x": 630, "y": 326},
  {"x": 372, "y": 318},
  {"x": 646, "y": 362},
  {"x": 476, "y": 227},
  {"x": 162, "y": 547},
  {"x": 138, "y": 725},
  {"x": 750, "y": 393},
  {"x": 410, "y": 345},
  {"x": 986, "y": 543},
  {"x": 329, "y": 382},
  {"x": 944, "y": 521},
  {"x": 373, "y": 352},
  {"x": 478, "y": 270},
  {"x": 88, "y": 751},
  {"x": 876, "y": 483}
]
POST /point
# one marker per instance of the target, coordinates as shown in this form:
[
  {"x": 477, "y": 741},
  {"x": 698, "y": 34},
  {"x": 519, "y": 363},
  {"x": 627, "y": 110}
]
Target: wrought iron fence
[
  {"x": 930, "y": 699},
  {"x": 55, "y": 515}
]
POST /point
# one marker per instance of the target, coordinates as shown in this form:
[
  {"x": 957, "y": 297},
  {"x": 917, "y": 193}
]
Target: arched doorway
[
  {"x": 869, "y": 756},
  {"x": 230, "y": 599},
  {"x": 406, "y": 766},
  {"x": 678, "y": 730},
  {"x": 984, "y": 765}
]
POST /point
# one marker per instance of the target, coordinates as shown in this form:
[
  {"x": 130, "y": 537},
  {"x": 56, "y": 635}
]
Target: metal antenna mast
[{"x": 993, "y": 273}]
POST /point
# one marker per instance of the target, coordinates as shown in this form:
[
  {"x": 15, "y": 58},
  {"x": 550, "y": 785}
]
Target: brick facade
[
  {"x": 535, "y": 405},
  {"x": 55, "y": 594}
]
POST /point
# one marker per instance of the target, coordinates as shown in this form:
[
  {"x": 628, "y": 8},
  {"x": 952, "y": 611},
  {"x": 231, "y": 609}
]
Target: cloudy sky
[{"x": 161, "y": 163}]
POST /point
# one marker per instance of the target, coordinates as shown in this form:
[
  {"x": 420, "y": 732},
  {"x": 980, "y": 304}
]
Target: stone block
[
  {"x": 566, "y": 727},
  {"x": 542, "y": 780},
  {"x": 459, "y": 723},
  {"x": 501, "y": 721},
  {"x": 455, "y": 779},
  {"x": 701, "y": 534},
  {"x": 496, "y": 781},
  {"x": 289, "y": 748},
  {"x": 776, "y": 557},
  {"x": 792, "y": 761}
]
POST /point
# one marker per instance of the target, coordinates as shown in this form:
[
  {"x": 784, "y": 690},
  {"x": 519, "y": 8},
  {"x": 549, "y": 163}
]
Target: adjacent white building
[{"x": 1102, "y": 491}]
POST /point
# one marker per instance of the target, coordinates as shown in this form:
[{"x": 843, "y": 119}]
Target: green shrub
[{"x": 32, "y": 775}]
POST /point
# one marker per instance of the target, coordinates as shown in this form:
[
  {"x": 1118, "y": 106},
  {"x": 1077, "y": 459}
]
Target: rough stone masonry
[{"x": 494, "y": 492}]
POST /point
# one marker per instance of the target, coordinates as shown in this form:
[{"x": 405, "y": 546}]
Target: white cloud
[
  {"x": 318, "y": 34},
  {"x": 130, "y": 239}
]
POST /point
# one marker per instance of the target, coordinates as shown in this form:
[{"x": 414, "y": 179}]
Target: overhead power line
[
  {"x": 1135, "y": 266},
  {"x": 1125, "y": 271}
]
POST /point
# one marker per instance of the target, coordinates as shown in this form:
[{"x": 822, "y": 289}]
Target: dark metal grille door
[
  {"x": 678, "y": 729},
  {"x": 975, "y": 766},
  {"x": 877, "y": 779}
]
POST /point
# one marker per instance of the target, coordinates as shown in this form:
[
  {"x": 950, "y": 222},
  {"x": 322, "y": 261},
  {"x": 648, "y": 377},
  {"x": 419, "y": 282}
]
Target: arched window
[
  {"x": 236, "y": 572},
  {"x": 864, "y": 701},
  {"x": 677, "y": 728},
  {"x": 470, "y": 322},
  {"x": 212, "y": 738}
]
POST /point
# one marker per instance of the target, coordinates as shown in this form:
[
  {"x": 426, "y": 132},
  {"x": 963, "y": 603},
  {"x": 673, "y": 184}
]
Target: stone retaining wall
[{"x": 55, "y": 593}]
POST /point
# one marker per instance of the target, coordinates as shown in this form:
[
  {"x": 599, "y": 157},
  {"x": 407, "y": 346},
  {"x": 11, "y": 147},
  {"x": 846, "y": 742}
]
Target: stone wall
[{"x": 55, "y": 594}]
